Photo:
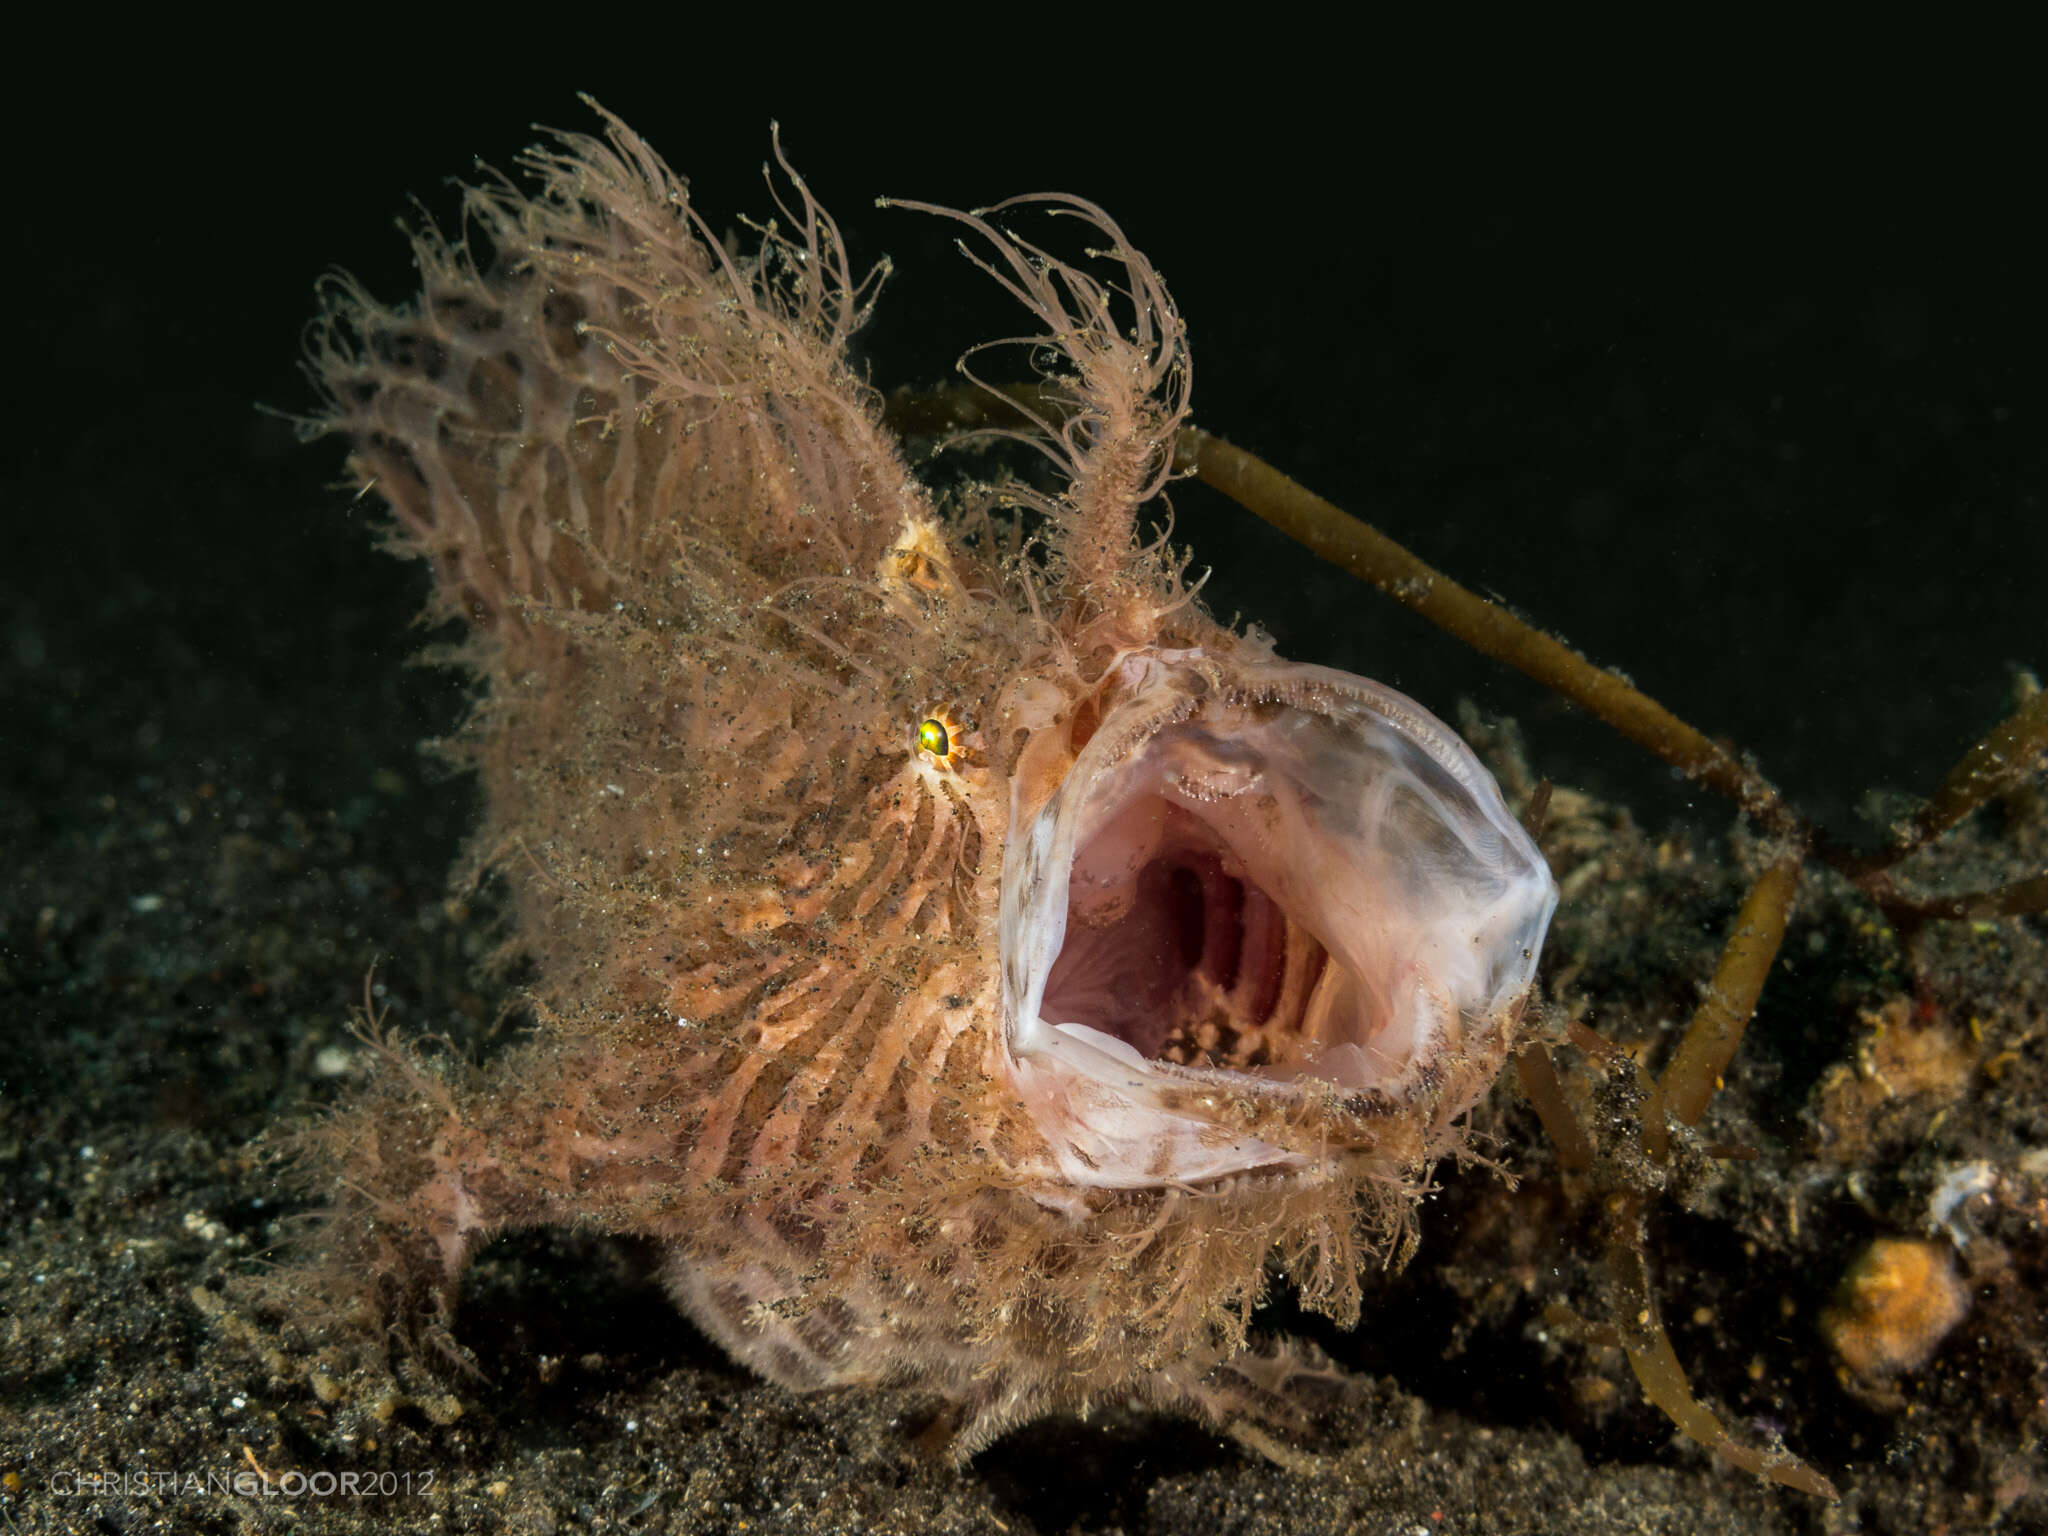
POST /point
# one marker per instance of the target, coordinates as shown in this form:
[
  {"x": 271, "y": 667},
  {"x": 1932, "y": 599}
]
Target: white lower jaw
[
  {"x": 1370, "y": 824},
  {"x": 1098, "y": 1104}
]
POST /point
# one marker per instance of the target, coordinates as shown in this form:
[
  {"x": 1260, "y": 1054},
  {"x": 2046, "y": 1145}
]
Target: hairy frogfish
[{"x": 970, "y": 966}]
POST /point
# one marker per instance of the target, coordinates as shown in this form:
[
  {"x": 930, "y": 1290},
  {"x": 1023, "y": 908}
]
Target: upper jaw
[{"x": 1260, "y": 888}]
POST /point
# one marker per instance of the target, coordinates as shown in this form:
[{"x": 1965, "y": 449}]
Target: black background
[{"x": 1753, "y": 412}]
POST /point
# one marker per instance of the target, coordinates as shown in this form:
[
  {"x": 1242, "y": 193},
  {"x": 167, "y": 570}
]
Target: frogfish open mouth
[
  {"x": 1276, "y": 883},
  {"x": 974, "y": 968}
]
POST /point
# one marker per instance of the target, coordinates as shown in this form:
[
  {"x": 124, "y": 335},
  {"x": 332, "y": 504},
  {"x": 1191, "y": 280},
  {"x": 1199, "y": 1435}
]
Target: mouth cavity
[
  {"x": 1174, "y": 948},
  {"x": 1304, "y": 876}
]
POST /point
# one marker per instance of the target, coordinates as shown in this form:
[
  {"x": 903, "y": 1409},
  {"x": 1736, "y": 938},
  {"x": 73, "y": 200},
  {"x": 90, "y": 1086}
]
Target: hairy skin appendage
[{"x": 975, "y": 968}]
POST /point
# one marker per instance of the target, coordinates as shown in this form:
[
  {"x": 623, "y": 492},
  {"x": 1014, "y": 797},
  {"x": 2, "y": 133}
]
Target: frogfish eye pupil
[{"x": 932, "y": 737}]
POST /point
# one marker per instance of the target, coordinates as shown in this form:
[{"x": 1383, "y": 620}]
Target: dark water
[{"x": 1762, "y": 427}]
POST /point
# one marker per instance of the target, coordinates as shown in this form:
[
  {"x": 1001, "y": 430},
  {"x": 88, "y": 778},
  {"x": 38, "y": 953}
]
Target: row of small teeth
[{"x": 1217, "y": 1040}]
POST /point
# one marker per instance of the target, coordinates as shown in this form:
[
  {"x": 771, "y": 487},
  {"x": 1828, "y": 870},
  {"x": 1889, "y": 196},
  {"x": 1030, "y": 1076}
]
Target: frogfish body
[{"x": 974, "y": 967}]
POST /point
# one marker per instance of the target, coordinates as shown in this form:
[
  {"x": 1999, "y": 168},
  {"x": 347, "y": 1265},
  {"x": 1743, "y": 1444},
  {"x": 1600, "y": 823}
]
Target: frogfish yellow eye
[{"x": 932, "y": 738}]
